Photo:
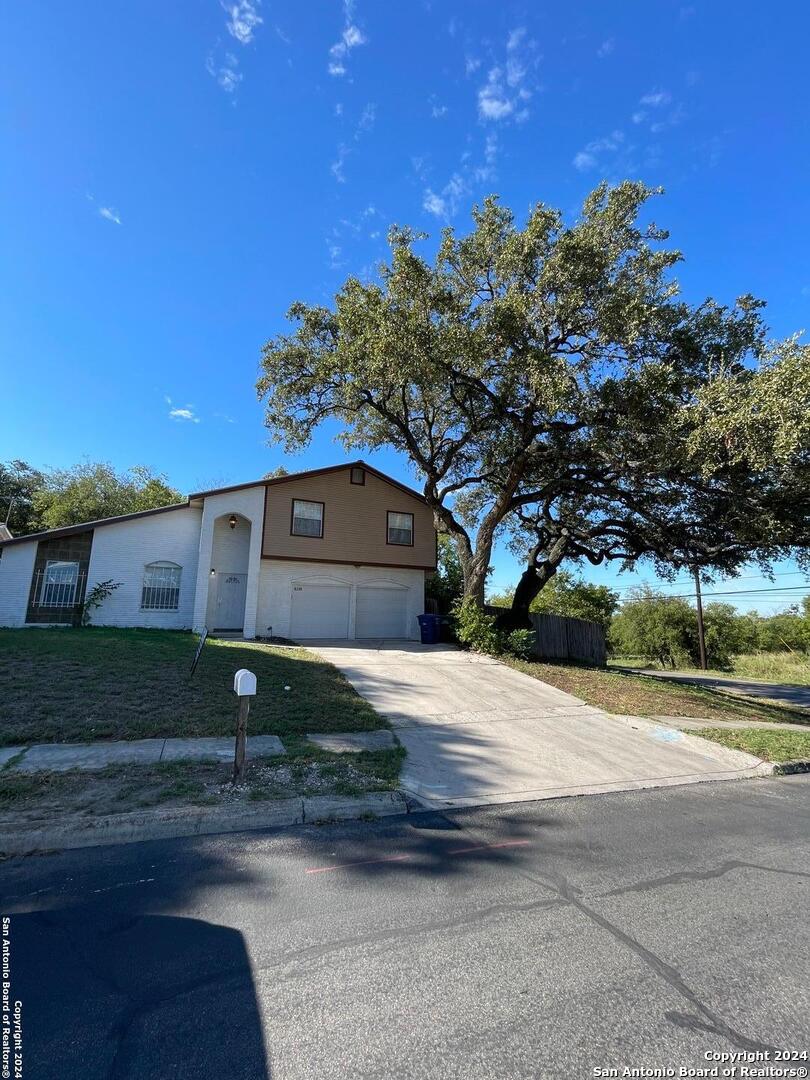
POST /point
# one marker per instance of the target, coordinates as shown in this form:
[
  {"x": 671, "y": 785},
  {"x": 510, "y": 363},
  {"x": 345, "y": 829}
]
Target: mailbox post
[{"x": 244, "y": 685}]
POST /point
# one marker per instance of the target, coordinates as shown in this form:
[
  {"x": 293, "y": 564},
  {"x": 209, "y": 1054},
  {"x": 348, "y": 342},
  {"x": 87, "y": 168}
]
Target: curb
[
  {"x": 78, "y": 832},
  {"x": 790, "y": 768}
]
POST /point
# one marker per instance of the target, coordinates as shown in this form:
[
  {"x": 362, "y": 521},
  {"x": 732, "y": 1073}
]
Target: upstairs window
[
  {"x": 400, "y": 528},
  {"x": 307, "y": 518},
  {"x": 161, "y": 587},
  {"x": 358, "y": 475}
]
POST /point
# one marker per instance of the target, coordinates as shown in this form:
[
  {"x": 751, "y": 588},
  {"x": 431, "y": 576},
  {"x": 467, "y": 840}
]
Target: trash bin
[{"x": 429, "y": 627}]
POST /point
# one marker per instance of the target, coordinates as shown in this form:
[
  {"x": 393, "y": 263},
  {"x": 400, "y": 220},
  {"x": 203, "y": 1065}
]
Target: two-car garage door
[{"x": 324, "y": 611}]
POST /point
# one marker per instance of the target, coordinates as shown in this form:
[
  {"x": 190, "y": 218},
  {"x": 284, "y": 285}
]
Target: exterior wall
[
  {"x": 249, "y": 504},
  {"x": 122, "y": 550},
  {"x": 355, "y": 522},
  {"x": 230, "y": 554},
  {"x": 16, "y": 571},
  {"x": 278, "y": 575}
]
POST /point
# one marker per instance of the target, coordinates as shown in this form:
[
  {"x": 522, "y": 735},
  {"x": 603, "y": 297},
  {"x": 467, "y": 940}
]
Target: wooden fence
[{"x": 561, "y": 638}]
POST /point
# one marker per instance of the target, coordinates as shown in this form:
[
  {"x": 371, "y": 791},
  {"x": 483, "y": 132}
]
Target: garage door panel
[
  {"x": 381, "y": 612},
  {"x": 320, "y": 611}
]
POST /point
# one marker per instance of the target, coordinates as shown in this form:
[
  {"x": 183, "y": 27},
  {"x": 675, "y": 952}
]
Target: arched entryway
[{"x": 227, "y": 589}]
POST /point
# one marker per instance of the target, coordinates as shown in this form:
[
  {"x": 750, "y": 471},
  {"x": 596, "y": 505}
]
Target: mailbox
[{"x": 244, "y": 683}]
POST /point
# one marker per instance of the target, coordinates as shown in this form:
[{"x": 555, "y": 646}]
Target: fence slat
[{"x": 560, "y": 638}]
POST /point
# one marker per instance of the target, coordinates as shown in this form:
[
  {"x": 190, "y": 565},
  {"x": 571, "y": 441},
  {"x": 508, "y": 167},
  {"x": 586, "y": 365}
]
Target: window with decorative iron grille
[
  {"x": 161, "y": 587},
  {"x": 56, "y": 585}
]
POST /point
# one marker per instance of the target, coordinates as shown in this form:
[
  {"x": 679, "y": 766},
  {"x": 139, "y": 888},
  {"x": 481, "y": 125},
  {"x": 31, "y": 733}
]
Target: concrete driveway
[{"x": 478, "y": 732}]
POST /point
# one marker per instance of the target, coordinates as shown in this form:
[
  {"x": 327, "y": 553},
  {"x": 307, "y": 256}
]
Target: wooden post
[
  {"x": 701, "y": 627},
  {"x": 241, "y": 740},
  {"x": 244, "y": 684}
]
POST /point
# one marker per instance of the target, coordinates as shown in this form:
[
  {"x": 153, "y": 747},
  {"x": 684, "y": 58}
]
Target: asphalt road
[
  {"x": 530, "y": 940},
  {"x": 788, "y": 693}
]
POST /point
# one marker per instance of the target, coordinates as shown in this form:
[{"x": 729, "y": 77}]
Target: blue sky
[{"x": 176, "y": 174}]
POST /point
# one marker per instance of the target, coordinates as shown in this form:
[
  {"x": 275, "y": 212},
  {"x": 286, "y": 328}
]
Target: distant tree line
[
  {"x": 36, "y": 499},
  {"x": 664, "y": 629}
]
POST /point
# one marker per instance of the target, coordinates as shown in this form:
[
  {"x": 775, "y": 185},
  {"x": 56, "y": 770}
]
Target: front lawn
[
  {"x": 79, "y": 685},
  {"x": 616, "y": 691},
  {"x": 776, "y": 745}
]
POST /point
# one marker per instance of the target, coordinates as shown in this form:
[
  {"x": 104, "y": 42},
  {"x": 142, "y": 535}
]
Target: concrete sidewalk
[
  {"x": 478, "y": 732},
  {"x": 62, "y": 757}
]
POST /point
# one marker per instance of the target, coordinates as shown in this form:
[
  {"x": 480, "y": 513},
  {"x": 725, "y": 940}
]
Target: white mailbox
[{"x": 244, "y": 683}]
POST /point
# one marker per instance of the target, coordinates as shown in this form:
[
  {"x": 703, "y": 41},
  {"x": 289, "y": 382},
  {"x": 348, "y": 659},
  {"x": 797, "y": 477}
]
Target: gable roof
[
  {"x": 271, "y": 481},
  {"x": 70, "y": 530}
]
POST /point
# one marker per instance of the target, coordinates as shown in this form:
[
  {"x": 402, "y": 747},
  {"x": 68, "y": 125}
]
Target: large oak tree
[{"x": 550, "y": 382}]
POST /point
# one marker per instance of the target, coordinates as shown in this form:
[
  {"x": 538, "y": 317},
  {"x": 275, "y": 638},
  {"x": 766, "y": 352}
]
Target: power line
[
  {"x": 688, "y": 581},
  {"x": 729, "y": 592}
]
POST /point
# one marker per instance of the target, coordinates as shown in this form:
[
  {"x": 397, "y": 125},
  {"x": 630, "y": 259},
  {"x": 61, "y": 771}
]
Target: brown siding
[{"x": 354, "y": 524}]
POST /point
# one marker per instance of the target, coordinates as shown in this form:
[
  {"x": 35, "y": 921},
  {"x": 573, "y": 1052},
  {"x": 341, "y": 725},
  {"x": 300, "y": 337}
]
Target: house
[{"x": 338, "y": 552}]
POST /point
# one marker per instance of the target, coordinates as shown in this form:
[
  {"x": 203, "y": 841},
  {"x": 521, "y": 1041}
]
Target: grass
[
  {"x": 617, "y": 691},
  {"x": 778, "y": 667},
  {"x": 99, "y": 683},
  {"x": 124, "y": 788},
  {"x": 769, "y": 745}
]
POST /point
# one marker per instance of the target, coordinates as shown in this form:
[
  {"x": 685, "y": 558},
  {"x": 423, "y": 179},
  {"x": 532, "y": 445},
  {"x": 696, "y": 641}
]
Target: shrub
[
  {"x": 477, "y": 630},
  {"x": 96, "y": 597},
  {"x": 520, "y": 643}
]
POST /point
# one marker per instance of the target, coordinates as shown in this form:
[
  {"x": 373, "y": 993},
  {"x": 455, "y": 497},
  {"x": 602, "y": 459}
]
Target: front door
[{"x": 231, "y": 593}]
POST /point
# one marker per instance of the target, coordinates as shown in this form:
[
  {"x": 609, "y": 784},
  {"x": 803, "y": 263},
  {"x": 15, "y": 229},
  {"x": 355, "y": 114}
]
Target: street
[{"x": 645, "y": 928}]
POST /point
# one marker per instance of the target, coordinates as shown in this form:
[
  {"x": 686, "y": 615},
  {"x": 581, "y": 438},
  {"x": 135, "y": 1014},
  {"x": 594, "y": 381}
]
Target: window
[
  {"x": 358, "y": 476},
  {"x": 161, "y": 587},
  {"x": 58, "y": 584},
  {"x": 400, "y": 528},
  {"x": 307, "y": 518}
]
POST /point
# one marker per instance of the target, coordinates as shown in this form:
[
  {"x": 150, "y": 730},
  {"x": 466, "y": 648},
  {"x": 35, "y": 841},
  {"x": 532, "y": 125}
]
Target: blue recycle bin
[{"x": 429, "y": 628}]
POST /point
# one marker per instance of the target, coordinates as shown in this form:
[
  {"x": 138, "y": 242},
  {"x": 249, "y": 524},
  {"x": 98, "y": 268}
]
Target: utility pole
[{"x": 701, "y": 628}]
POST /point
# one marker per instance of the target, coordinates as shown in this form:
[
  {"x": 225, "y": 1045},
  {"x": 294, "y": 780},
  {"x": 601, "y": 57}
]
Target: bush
[
  {"x": 477, "y": 630},
  {"x": 521, "y": 643}
]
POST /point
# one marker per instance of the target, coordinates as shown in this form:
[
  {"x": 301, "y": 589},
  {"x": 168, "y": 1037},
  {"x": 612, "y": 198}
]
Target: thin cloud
[
  {"x": 243, "y": 19},
  {"x": 606, "y": 48},
  {"x": 351, "y": 38},
  {"x": 364, "y": 125},
  {"x": 227, "y": 74},
  {"x": 110, "y": 214},
  {"x": 591, "y": 155},
  {"x": 337, "y": 166},
  {"x": 181, "y": 413},
  {"x": 504, "y": 95},
  {"x": 656, "y": 98}
]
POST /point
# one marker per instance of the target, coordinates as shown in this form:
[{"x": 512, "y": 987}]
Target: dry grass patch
[
  {"x": 120, "y": 789},
  {"x": 616, "y": 691}
]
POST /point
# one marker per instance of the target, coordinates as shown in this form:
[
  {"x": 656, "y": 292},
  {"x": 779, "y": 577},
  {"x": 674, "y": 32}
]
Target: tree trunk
[
  {"x": 475, "y": 579},
  {"x": 532, "y": 580}
]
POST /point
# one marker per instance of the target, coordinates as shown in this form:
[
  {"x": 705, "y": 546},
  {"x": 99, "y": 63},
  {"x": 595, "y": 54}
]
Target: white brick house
[{"x": 339, "y": 552}]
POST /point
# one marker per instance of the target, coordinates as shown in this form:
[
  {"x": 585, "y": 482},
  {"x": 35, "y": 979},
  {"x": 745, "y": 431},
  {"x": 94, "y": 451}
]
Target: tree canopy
[
  {"x": 548, "y": 382},
  {"x": 567, "y": 594},
  {"x": 85, "y": 492}
]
